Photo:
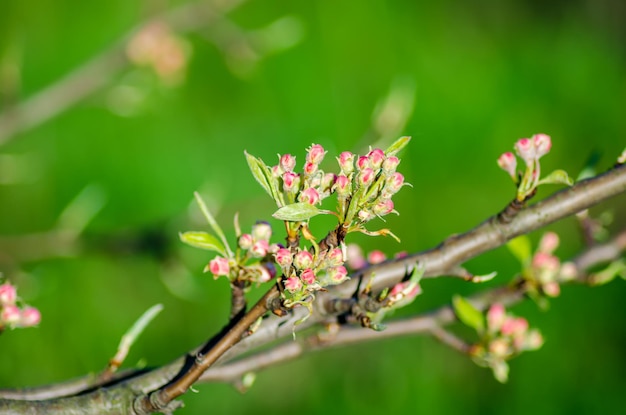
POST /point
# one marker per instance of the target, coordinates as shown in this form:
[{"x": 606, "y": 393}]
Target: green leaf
[
  {"x": 258, "y": 171},
  {"x": 297, "y": 212},
  {"x": 213, "y": 223},
  {"x": 557, "y": 177},
  {"x": 520, "y": 248},
  {"x": 202, "y": 240},
  {"x": 397, "y": 146},
  {"x": 468, "y": 314}
]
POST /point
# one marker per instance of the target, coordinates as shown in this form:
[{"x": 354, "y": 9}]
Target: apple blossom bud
[
  {"x": 277, "y": 171},
  {"x": 549, "y": 242},
  {"x": 8, "y": 294},
  {"x": 293, "y": 284},
  {"x": 499, "y": 347},
  {"x": 366, "y": 177},
  {"x": 291, "y": 182},
  {"x": 308, "y": 276},
  {"x": 534, "y": 340},
  {"x": 363, "y": 162},
  {"x": 310, "y": 196},
  {"x": 219, "y": 266},
  {"x": 568, "y": 271},
  {"x": 376, "y": 158},
  {"x": 342, "y": 185},
  {"x": 355, "y": 257},
  {"x": 547, "y": 262},
  {"x": 404, "y": 292},
  {"x": 525, "y": 148},
  {"x": 29, "y": 317},
  {"x": 303, "y": 260},
  {"x": 283, "y": 257},
  {"x": 266, "y": 271},
  {"x": 365, "y": 215},
  {"x": 383, "y": 207},
  {"x": 287, "y": 162},
  {"x": 315, "y": 154},
  {"x": 334, "y": 257},
  {"x": 338, "y": 274},
  {"x": 328, "y": 181},
  {"x": 346, "y": 162},
  {"x": 260, "y": 248},
  {"x": 508, "y": 163},
  {"x": 514, "y": 326},
  {"x": 245, "y": 241},
  {"x": 262, "y": 231},
  {"x": 10, "y": 314},
  {"x": 542, "y": 143},
  {"x": 274, "y": 248},
  {"x": 376, "y": 257},
  {"x": 495, "y": 317},
  {"x": 309, "y": 168},
  {"x": 551, "y": 289},
  {"x": 390, "y": 164},
  {"x": 394, "y": 183}
]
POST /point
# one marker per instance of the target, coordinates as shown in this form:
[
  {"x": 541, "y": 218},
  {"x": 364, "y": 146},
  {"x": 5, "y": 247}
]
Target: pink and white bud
[
  {"x": 406, "y": 291},
  {"x": 376, "y": 158},
  {"x": 342, "y": 185},
  {"x": 293, "y": 284},
  {"x": 29, "y": 317},
  {"x": 334, "y": 257},
  {"x": 338, "y": 274},
  {"x": 499, "y": 347},
  {"x": 245, "y": 241},
  {"x": 8, "y": 294},
  {"x": 514, "y": 326},
  {"x": 549, "y": 242},
  {"x": 525, "y": 148},
  {"x": 287, "y": 162},
  {"x": 551, "y": 289},
  {"x": 534, "y": 340},
  {"x": 496, "y": 315},
  {"x": 401, "y": 254},
  {"x": 264, "y": 272},
  {"x": 310, "y": 196},
  {"x": 315, "y": 154},
  {"x": 261, "y": 231},
  {"x": 283, "y": 257},
  {"x": 383, "y": 207},
  {"x": 390, "y": 164},
  {"x": 346, "y": 162},
  {"x": 365, "y": 215},
  {"x": 328, "y": 181},
  {"x": 543, "y": 144},
  {"x": 219, "y": 266},
  {"x": 308, "y": 276},
  {"x": 366, "y": 177},
  {"x": 10, "y": 314},
  {"x": 291, "y": 182},
  {"x": 362, "y": 163},
  {"x": 546, "y": 262},
  {"x": 274, "y": 248},
  {"x": 309, "y": 168},
  {"x": 303, "y": 260},
  {"x": 277, "y": 171},
  {"x": 355, "y": 257},
  {"x": 508, "y": 163},
  {"x": 376, "y": 257},
  {"x": 260, "y": 248},
  {"x": 568, "y": 271},
  {"x": 394, "y": 183}
]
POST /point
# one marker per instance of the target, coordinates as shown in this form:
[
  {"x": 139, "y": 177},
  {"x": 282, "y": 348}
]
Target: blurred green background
[{"x": 93, "y": 197}]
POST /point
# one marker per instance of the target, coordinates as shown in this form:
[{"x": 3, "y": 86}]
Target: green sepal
[
  {"x": 203, "y": 240},
  {"x": 468, "y": 314}
]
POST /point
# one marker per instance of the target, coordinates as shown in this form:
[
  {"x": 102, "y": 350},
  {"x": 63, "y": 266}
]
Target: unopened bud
[
  {"x": 496, "y": 316},
  {"x": 262, "y": 231},
  {"x": 8, "y": 294},
  {"x": 310, "y": 196},
  {"x": 376, "y": 257},
  {"x": 342, "y": 185},
  {"x": 291, "y": 182},
  {"x": 245, "y": 241},
  {"x": 549, "y": 242},
  {"x": 542, "y": 143},
  {"x": 338, "y": 274},
  {"x": 346, "y": 162},
  {"x": 10, "y": 314},
  {"x": 29, "y": 317},
  {"x": 394, "y": 183},
  {"x": 287, "y": 162},
  {"x": 525, "y": 148},
  {"x": 219, "y": 266},
  {"x": 308, "y": 276},
  {"x": 508, "y": 163},
  {"x": 259, "y": 249},
  {"x": 293, "y": 284},
  {"x": 315, "y": 154},
  {"x": 383, "y": 207},
  {"x": 303, "y": 260},
  {"x": 334, "y": 257},
  {"x": 283, "y": 257},
  {"x": 376, "y": 158},
  {"x": 363, "y": 162},
  {"x": 390, "y": 164},
  {"x": 366, "y": 177}
]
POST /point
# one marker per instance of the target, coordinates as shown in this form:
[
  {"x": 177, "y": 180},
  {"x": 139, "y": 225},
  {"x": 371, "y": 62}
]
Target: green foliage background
[{"x": 484, "y": 74}]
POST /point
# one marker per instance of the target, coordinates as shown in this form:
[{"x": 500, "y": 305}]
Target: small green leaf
[
  {"x": 468, "y": 314},
  {"x": 213, "y": 223},
  {"x": 397, "y": 146},
  {"x": 484, "y": 278},
  {"x": 557, "y": 177},
  {"x": 202, "y": 240},
  {"x": 256, "y": 167},
  {"x": 297, "y": 212},
  {"x": 520, "y": 248}
]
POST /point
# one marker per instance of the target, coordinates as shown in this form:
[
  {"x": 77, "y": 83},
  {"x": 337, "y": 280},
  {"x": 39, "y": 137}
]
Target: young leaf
[
  {"x": 256, "y": 167},
  {"x": 213, "y": 223},
  {"x": 520, "y": 248},
  {"x": 468, "y": 314},
  {"x": 557, "y": 177},
  {"x": 202, "y": 240},
  {"x": 297, "y": 212},
  {"x": 397, "y": 146}
]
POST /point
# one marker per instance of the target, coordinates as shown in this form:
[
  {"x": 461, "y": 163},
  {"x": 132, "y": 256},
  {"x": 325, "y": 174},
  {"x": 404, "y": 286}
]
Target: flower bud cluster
[
  {"x": 12, "y": 314},
  {"x": 546, "y": 270}
]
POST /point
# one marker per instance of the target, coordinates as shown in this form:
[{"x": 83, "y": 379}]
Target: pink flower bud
[
  {"x": 383, "y": 207},
  {"x": 405, "y": 292},
  {"x": 309, "y": 196},
  {"x": 303, "y": 260},
  {"x": 366, "y": 177},
  {"x": 394, "y": 183},
  {"x": 342, "y": 185},
  {"x": 495, "y": 317},
  {"x": 260, "y": 249},
  {"x": 390, "y": 164},
  {"x": 334, "y": 257},
  {"x": 277, "y": 171},
  {"x": 308, "y": 276},
  {"x": 355, "y": 257},
  {"x": 508, "y": 163},
  {"x": 534, "y": 340},
  {"x": 262, "y": 231},
  {"x": 293, "y": 284},
  {"x": 287, "y": 162},
  {"x": 525, "y": 148},
  {"x": 376, "y": 158},
  {"x": 291, "y": 182},
  {"x": 309, "y": 168},
  {"x": 548, "y": 262},
  {"x": 219, "y": 266},
  {"x": 401, "y": 254},
  {"x": 376, "y": 257},
  {"x": 245, "y": 241},
  {"x": 551, "y": 289},
  {"x": 283, "y": 257},
  {"x": 264, "y": 272},
  {"x": 328, "y": 181},
  {"x": 8, "y": 294},
  {"x": 365, "y": 215},
  {"x": 363, "y": 162},
  {"x": 274, "y": 248},
  {"x": 29, "y": 317},
  {"x": 315, "y": 154},
  {"x": 10, "y": 314},
  {"x": 346, "y": 162},
  {"x": 514, "y": 326},
  {"x": 499, "y": 347},
  {"x": 338, "y": 274},
  {"x": 549, "y": 242},
  {"x": 542, "y": 143},
  {"x": 568, "y": 271}
]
